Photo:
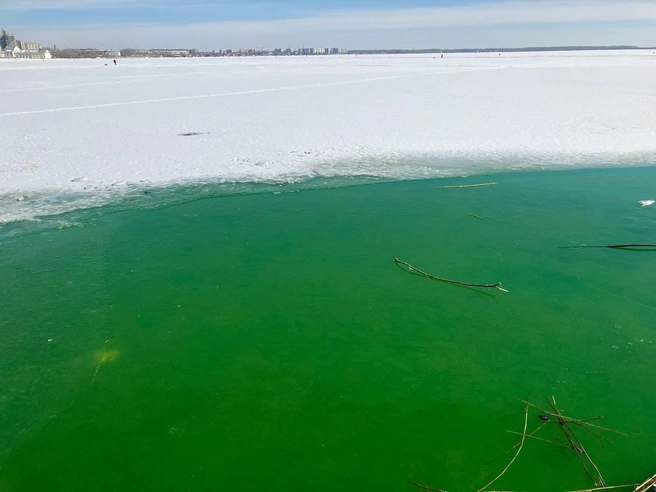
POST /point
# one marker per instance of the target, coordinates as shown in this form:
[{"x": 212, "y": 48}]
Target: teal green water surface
[{"x": 269, "y": 341}]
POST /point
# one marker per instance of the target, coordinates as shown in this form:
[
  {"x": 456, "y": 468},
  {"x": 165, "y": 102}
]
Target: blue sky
[{"x": 213, "y": 24}]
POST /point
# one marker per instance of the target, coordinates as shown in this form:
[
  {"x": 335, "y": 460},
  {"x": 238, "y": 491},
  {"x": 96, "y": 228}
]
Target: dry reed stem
[
  {"x": 521, "y": 445},
  {"x": 539, "y": 439},
  {"x": 535, "y": 431},
  {"x": 606, "y": 488}
]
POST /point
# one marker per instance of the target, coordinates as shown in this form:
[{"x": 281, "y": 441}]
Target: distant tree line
[{"x": 79, "y": 53}]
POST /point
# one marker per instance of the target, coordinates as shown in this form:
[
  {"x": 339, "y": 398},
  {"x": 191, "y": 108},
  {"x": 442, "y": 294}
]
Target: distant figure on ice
[
  {"x": 114, "y": 62},
  {"x": 442, "y": 55}
]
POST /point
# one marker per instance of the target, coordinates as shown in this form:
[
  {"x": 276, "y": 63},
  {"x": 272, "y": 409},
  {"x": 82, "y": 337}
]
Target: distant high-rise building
[{"x": 7, "y": 40}]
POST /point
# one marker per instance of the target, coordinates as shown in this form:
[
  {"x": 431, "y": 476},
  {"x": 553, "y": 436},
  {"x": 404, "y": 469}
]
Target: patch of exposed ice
[{"x": 280, "y": 120}]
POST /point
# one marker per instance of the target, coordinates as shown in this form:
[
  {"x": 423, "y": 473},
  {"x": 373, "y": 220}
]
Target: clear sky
[{"x": 214, "y": 24}]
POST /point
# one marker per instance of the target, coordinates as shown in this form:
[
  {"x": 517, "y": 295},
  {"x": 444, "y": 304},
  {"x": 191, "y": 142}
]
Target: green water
[{"x": 269, "y": 342}]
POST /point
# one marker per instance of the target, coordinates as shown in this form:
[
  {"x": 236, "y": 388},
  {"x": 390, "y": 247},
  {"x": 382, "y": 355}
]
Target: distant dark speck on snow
[{"x": 191, "y": 134}]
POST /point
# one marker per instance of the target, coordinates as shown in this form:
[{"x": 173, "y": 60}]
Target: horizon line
[{"x": 445, "y": 50}]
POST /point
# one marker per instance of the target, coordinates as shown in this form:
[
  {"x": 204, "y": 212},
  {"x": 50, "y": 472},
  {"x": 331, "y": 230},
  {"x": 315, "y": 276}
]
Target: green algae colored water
[{"x": 269, "y": 341}]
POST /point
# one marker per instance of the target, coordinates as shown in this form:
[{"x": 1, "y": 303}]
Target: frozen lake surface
[{"x": 78, "y": 126}]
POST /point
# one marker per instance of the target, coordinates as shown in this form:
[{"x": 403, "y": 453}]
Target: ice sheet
[{"x": 82, "y": 126}]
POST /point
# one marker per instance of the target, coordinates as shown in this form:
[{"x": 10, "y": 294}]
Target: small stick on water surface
[
  {"x": 476, "y": 216},
  {"x": 477, "y": 185},
  {"x": 428, "y": 275}
]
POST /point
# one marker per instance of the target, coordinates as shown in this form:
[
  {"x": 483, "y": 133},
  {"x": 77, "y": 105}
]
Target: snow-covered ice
[{"x": 81, "y": 126}]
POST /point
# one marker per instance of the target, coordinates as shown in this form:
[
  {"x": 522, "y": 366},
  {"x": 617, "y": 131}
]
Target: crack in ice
[{"x": 239, "y": 93}]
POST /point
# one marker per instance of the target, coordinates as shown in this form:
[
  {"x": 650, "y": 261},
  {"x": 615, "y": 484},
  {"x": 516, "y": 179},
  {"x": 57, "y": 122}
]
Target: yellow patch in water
[{"x": 105, "y": 356}]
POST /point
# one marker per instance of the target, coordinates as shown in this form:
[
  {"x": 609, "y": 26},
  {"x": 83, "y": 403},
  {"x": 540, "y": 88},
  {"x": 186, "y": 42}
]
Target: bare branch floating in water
[
  {"x": 478, "y": 185},
  {"x": 455, "y": 282},
  {"x": 612, "y": 246},
  {"x": 476, "y": 216}
]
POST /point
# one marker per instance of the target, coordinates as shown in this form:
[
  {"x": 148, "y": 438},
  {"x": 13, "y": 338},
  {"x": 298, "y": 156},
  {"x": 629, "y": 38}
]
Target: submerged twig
[
  {"x": 456, "y": 282},
  {"x": 478, "y": 185},
  {"x": 476, "y": 216},
  {"x": 425, "y": 487}
]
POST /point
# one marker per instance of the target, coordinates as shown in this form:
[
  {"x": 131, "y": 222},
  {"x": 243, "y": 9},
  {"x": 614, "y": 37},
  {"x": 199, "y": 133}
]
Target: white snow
[{"x": 70, "y": 125}]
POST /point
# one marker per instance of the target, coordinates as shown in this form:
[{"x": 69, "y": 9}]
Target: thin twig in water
[
  {"x": 535, "y": 431},
  {"x": 478, "y": 185},
  {"x": 539, "y": 439},
  {"x": 486, "y": 286},
  {"x": 575, "y": 448},
  {"x": 602, "y": 482},
  {"x": 476, "y": 216},
  {"x": 606, "y": 488},
  {"x": 521, "y": 445}
]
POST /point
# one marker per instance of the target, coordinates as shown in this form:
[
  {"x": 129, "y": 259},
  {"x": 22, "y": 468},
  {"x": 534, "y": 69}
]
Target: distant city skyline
[{"x": 358, "y": 24}]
